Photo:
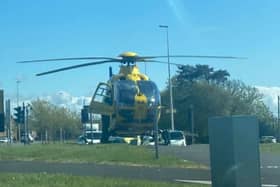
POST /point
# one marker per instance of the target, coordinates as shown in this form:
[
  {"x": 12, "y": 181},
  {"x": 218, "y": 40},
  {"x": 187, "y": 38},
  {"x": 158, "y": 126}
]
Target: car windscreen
[
  {"x": 93, "y": 135},
  {"x": 176, "y": 136}
]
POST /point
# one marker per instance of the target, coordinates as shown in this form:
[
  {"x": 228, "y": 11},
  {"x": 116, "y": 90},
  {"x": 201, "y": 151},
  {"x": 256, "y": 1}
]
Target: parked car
[
  {"x": 268, "y": 139},
  {"x": 174, "y": 137},
  {"x": 148, "y": 140},
  {"x": 90, "y": 137},
  {"x": 116, "y": 139},
  {"x": 4, "y": 139}
]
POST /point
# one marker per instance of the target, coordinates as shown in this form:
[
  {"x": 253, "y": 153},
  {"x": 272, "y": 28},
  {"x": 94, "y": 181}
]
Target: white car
[
  {"x": 4, "y": 140},
  {"x": 268, "y": 139},
  {"x": 148, "y": 140},
  {"x": 177, "y": 138},
  {"x": 90, "y": 137}
]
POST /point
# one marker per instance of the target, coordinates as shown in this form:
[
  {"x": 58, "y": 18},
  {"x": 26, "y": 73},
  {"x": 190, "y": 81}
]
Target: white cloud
[
  {"x": 270, "y": 97},
  {"x": 61, "y": 99},
  {"x": 65, "y": 99}
]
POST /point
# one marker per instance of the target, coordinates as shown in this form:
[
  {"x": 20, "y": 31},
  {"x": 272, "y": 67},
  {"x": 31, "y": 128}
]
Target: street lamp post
[
  {"x": 27, "y": 108},
  {"x": 18, "y": 81},
  {"x": 169, "y": 79},
  {"x": 19, "y": 130}
]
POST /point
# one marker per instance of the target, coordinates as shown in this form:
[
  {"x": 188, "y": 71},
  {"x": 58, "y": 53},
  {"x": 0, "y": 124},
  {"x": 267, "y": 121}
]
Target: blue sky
[{"x": 38, "y": 29}]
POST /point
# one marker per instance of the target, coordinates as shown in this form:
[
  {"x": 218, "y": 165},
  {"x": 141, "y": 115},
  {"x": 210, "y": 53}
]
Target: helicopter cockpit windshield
[
  {"x": 150, "y": 90},
  {"x": 126, "y": 90}
]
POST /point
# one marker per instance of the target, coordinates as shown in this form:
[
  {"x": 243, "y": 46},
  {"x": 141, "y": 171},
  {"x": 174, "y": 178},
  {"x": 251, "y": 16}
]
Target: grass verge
[
  {"x": 59, "y": 180},
  {"x": 270, "y": 148},
  {"x": 102, "y": 153}
]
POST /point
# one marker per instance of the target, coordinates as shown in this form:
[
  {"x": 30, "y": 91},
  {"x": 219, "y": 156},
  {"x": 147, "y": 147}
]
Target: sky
[{"x": 38, "y": 29}]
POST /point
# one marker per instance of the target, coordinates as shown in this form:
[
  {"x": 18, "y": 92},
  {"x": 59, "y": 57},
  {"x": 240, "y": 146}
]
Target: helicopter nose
[{"x": 140, "y": 98}]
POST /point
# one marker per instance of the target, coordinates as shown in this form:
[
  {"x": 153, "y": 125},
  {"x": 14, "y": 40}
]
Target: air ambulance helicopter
[{"x": 129, "y": 102}]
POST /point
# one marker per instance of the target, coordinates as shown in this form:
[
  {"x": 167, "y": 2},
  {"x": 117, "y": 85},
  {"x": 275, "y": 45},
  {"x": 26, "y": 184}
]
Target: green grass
[
  {"x": 104, "y": 154},
  {"x": 270, "y": 148},
  {"x": 59, "y": 180}
]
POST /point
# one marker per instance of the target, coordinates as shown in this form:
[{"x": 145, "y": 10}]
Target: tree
[
  {"x": 199, "y": 72},
  {"x": 211, "y": 93},
  {"x": 48, "y": 117}
]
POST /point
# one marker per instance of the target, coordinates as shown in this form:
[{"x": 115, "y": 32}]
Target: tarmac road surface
[
  {"x": 132, "y": 172},
  {"x": 270, "y": 162}
]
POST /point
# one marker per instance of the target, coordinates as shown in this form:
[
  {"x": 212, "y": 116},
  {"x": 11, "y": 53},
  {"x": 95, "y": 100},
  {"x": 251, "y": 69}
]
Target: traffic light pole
[
  {"x": 156, "y": 132},
  {"x": 8, "y": 121},
  {"x": 25, "y": 125}
]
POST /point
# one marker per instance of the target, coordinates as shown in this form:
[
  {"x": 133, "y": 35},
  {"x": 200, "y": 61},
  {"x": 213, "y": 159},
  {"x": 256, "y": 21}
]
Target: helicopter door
[{"x": 101, "y": 102}]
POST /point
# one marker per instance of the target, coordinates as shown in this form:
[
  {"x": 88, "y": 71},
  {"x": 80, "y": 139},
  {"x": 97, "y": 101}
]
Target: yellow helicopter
[{"x": 129, "y": 101}]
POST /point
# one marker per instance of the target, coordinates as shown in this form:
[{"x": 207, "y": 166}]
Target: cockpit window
[
  {"x": 150, "y": 90},
  {"x": 125, "y": 92}
]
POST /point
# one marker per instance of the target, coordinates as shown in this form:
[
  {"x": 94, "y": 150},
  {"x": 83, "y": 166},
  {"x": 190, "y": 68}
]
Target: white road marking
[
  {"x": 209, "y": 182},
  {"x": 193, "y": 181},
  {"x": 271, "y": 167}
]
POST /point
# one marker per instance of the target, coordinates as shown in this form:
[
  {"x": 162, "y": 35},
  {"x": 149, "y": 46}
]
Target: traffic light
[
  {"x": 22, "y": 115},
  {"x": 84, "y": 114},
  {"x": 19, "y": 115}
]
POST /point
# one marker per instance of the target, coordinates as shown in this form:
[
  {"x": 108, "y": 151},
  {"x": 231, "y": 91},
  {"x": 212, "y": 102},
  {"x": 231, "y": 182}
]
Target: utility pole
[
  {"x": 91, "y": 121},
  {"x": 156, "y": 131},
  {"x": 192, "y": 123}
]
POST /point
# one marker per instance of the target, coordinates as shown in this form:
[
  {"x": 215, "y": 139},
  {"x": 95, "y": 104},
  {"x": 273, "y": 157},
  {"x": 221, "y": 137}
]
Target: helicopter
[{"x": 129, "y": 102}]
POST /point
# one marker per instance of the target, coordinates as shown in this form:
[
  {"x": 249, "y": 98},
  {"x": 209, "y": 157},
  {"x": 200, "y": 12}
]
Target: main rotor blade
[
  {"x": 192, "y": 56},
  {"x": 161, "y": 62},
  {"x": 75, "y": 66},
  {"x": 65, "y": 59}
]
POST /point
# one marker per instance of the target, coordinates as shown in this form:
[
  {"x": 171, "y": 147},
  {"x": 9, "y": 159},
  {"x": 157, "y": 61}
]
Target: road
[
  {"x": 270, "y": 163},
  {"x": 132, "y": 172}
]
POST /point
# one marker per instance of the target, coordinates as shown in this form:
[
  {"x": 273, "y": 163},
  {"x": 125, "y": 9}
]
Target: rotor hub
[{"x": 128, "y": 58}]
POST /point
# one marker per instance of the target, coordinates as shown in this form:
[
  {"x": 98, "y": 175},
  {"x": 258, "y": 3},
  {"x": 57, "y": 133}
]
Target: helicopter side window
[{"x": 125, "y": 92}]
